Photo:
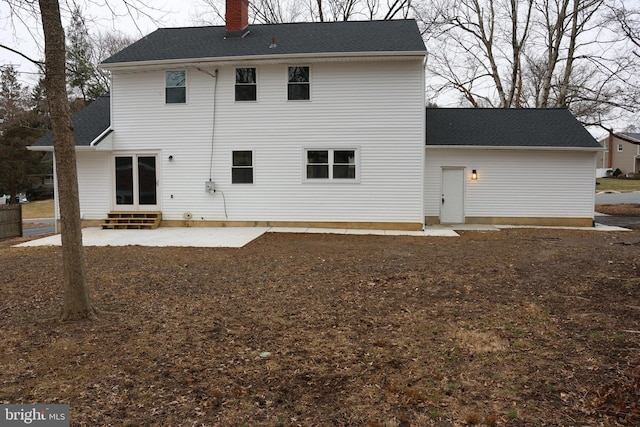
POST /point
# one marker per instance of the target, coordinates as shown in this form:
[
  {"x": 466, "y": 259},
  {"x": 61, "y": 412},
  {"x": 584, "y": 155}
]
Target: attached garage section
[{"x": 519, "y": 167}]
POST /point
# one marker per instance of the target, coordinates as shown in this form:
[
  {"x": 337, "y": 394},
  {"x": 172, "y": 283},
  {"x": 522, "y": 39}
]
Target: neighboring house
[
  {"x": 308, "y": 124},
  {"x": 621, "y": 151}
]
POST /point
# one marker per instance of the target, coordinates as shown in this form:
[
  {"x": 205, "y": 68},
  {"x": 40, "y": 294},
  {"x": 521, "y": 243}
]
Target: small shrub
[
  {"x": 617, "y": 173},
  {"x": 473, "y": 419},
  {"x": 491, "y": 420}
]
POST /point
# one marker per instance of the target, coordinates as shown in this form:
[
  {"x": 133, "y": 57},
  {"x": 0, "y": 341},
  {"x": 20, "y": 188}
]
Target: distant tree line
[{"x": 24, "y": 115}]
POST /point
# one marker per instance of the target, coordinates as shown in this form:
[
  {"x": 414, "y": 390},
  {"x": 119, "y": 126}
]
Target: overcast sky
[{"x": 24, "y": 32}]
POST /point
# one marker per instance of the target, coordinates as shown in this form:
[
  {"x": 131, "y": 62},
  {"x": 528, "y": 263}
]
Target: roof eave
[
  {"x": 40, "y": 148},
  {"x": 271, "y": 59}
]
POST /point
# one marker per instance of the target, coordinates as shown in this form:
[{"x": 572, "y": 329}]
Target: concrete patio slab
[
  {"x": 209, "y": 237},
  {"x": 203, "y": 237},
  {"x": 237, "y": 237}
]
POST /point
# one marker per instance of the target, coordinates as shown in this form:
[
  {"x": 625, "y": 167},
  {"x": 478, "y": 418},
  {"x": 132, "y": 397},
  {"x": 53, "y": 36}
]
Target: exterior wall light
[{"x": 474, "y": 175}]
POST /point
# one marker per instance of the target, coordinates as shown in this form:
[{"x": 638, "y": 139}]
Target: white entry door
[
  {"x": 452, "y": 203},
  {"x": 136, "y": 182}
]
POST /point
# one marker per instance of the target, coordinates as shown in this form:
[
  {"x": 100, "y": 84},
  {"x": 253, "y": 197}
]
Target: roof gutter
[
  {"x": 268, "y": 59},
  {"x": 509, "y": 147},
  {"x": 50, "y": 148},
  {"x": 100, "y": 137},
  {"x": 93, "y": 146},
  {"x": 40, "y": 148}
]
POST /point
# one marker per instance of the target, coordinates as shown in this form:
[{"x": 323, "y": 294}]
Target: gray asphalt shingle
[
  {"x": 491, "y": 127},
  {"x": 88, "y": 123},
  {"x": 635, "y": 136},
  {"x": 295, "y": 38}
]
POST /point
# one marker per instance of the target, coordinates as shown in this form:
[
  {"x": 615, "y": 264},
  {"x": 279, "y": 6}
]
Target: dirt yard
[{"x": 509, "y": 328}]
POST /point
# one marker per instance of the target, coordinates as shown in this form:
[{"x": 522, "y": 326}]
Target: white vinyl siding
[
  {"x": 376, "y": 106},
  {"x": 516, "y": 183},
  {"x": 94, "y": 184}
]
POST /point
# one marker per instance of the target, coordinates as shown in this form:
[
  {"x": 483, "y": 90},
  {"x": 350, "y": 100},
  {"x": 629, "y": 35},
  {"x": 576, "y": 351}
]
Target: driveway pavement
[
  {"x": 632, "y": 197},
  {"x": 632, "y": 222},
  {"x": 618, "y": 198}
]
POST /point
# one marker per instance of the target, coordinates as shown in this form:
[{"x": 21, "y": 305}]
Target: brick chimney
[{"x": 237, "y": 18}]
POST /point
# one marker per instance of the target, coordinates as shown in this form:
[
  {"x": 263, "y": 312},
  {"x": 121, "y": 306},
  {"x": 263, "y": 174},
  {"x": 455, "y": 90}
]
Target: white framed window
[
  {"x": 175, "y": 87},
  {"x": 246, "y": 84},
  {"x": 242, "y": 167},
  {"x": 298, "y": 84},
  {"x": 619, "y": 148},
  {"x": 332, "y": 164}
]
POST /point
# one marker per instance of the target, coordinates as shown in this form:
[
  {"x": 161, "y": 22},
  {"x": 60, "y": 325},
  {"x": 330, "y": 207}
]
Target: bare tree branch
[{"x": 39, "y": 64}]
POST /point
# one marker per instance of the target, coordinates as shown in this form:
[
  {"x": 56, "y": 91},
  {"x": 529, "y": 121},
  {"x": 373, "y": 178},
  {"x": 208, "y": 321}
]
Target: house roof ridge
[
  {"x": 298, "y": 38},
  {"x": 276, "y": 24}
]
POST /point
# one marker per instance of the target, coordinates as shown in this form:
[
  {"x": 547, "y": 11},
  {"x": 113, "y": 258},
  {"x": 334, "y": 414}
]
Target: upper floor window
[
  {"x": 176, "y": 87},
  {"x": 246, "y": 86},
  {"x": 620, "y": 147},
  {"x": 298, "y": 83},
  {"x": 331, "y": 164},
  {"x": 242, "y": 167}
]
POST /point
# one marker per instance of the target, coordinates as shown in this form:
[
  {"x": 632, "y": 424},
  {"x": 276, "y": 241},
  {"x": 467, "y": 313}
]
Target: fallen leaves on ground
[{"x": 517, "y": 327}]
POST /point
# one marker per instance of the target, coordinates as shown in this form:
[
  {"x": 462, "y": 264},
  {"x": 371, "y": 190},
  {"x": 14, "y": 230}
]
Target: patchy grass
[
  {"x": 38, "y": 209},
  {"x": 489, "y": 329},
  {"x": 614, "y": 184}
]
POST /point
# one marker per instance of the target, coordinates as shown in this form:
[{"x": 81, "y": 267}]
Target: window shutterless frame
[
  {"x": 298, "y": 83},
  {"x": 242, "y": 167},
  {"x": 246, "y": 86},
  {"x": 331, "y": 165},
  {"x": 175, "y": 83}
]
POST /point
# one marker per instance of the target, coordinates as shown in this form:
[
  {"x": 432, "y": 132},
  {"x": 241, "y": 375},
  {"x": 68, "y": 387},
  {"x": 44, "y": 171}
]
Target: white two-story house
[{"x": 303, "y": 124}]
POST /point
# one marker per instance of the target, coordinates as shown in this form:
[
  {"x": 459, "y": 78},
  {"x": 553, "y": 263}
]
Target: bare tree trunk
[
  {"x": 517, "y": 45},
  {"x": 555, "y": 33},
  {"x": 320, "y": 11},
  {"x": 77, "y": 300}
]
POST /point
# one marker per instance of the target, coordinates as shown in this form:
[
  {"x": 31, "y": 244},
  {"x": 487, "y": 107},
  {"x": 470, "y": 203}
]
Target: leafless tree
[
  {"x": 77, "y": 298},
  {"x": 104, "y": 45},
  {"x": 628, "y": 20},
  {"x": 529, "y": 53},
  {"x": 481, "y": 48},
  {"x": 278, "y": 11}
]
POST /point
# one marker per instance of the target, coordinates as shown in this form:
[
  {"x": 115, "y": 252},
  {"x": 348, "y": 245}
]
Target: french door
[{"x": 136, "y": 182}]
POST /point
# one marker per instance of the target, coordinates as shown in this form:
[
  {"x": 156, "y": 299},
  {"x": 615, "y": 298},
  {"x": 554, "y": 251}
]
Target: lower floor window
[
  {"x": 242, "y": 167},
  {"x": 331, "y": 164}
]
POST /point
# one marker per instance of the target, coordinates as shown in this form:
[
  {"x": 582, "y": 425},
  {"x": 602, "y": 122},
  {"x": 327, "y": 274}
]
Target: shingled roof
[
  {"x": 634, "y": 136},
  {"x": 167, "y": 44},
  {"x": 490, "y": 127},
  {"x": 88, "y": 124}
]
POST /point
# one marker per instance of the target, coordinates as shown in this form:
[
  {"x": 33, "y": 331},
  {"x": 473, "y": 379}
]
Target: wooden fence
[{"x": 10, "y": 221}]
